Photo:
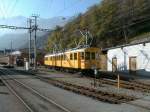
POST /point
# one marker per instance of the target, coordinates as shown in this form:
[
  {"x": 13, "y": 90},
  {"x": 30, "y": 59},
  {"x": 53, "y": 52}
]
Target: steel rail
[
  {"x": 15, "y": 93},
  {"x": 38, "y": 93}
]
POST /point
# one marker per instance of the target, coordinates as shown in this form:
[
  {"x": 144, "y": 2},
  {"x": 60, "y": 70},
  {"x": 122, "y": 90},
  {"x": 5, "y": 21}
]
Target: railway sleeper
[{"x": 90, "y": 92}]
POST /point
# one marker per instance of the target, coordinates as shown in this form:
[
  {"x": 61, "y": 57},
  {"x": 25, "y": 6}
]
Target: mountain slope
[{"x": 111, "y": 23}]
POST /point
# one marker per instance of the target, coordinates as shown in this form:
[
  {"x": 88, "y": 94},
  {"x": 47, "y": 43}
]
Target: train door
[
  {"x": 78, "y": 60},
  {"x": 82, "y": 60},
  {"x": 114, "y": 64},
  {"x": 75, "y": 60},
  {"x": 132, "y": 65}
]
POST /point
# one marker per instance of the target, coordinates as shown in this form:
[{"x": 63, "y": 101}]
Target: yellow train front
[{"x": 84, "y": 60}]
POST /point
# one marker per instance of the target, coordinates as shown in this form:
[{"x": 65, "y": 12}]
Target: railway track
[
  {"x": 93, "y": 93},
  {"x": 90, "y": 92},
  {"x": 133, "y": 85},
  {"x": 12, "y": 83}
]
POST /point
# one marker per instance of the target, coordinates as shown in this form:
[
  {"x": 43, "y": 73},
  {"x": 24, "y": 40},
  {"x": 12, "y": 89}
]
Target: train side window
[
  {"x": 87, "y": 55},
  {"x": 82, "y": 55},
  {"x": 64, "y": 57},
  {"x": 75, "y": 56},
  {"x": 71, "y": 56},
  {"x": 61, "y": 57},
  {"x": 93, "y": 55}
]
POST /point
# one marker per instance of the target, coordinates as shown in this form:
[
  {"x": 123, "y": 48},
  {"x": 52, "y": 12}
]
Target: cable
[
  {"x": 64, "y": 4},
  {"x": 13, "y": 7},
  {"x": 3, "y": 6},
  {"x": 51, "y": 2},
  {"x": 71, "y": 6},
  {"x": 2, "y": 12}
]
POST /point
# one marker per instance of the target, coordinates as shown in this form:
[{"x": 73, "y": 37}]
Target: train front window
[
  {"x": 93, "y": 55},
  {"x": 82, "y": 55},
  {"x": 87, "y": 55}
]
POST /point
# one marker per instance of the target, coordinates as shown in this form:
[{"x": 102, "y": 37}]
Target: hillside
[{"x": 111, "y": 22}]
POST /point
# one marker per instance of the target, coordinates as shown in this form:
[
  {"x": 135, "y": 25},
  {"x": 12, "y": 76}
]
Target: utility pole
[
  {"x": 30, "y": 31},
  {"x": 11, "y": 60},
  {"x": 32, "y": 28},
  {"x": 35, "y": 31}
]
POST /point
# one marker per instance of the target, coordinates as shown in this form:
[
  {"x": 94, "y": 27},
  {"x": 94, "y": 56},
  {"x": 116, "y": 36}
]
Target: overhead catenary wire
[
  {"x": 2, "y": 9},
  {"x": 12, "y": 9},
  {"x": 50, "y": 6},
  {"x": 70, "y": 6}
]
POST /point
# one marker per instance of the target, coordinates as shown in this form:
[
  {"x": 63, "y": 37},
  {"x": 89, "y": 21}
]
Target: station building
[{"x": 129, "y": 58}]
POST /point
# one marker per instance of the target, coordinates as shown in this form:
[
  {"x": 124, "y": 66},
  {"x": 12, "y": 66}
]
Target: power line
[
  {"x": 2, "y": 10},
  {"x": 12, "y": 9},
  {"x": 13, "y": 27},
  {"x": 4, "y": 7},
  {"x": 51, "y": 2},
  {"x": 71, "y": 6}
]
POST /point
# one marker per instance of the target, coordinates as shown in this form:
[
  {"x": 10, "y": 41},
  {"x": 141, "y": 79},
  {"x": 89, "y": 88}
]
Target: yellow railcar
[{"x": 78, "y": 59}]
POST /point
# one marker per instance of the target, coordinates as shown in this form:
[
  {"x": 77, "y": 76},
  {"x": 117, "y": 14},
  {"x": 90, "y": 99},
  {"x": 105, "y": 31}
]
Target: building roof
[
  {"x": 125, "y": 45},
  {"x": 17, "y": 53}
]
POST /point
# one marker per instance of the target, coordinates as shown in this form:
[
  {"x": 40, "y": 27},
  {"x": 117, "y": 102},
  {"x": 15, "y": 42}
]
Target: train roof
[{"x": 68, "y": 51}]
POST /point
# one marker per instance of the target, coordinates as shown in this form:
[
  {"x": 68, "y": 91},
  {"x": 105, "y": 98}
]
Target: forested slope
[{"x": 112, "y": 22}]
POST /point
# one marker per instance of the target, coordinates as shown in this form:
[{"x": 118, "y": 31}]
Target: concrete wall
[{"x": 140, "y": 51}]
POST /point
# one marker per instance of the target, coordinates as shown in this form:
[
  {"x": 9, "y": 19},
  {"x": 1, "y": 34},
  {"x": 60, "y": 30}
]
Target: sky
[{"x": 44, "y": 8}]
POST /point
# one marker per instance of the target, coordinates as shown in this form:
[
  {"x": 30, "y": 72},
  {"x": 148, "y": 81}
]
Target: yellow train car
[{"x": 83, "y": 59}]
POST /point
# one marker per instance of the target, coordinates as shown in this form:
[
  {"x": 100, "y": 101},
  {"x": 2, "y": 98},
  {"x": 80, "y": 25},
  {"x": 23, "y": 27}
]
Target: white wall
[{"x": 141, "y": 51}]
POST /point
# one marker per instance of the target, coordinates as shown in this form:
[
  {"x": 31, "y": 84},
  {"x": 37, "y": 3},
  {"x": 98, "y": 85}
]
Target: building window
[
  {"x": 75, "y": 56},
  {"x": 82, "y": 55},
  {"x": 93, "y": 55},
  {"x": 87, "y": 55}
]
